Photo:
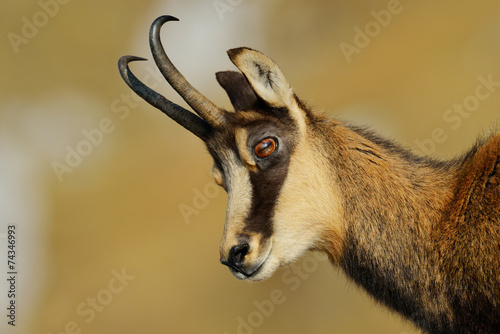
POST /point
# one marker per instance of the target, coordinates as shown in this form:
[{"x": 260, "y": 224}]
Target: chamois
[{"x": 422, "y": 236}]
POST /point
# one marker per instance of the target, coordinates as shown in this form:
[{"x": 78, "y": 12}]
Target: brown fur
[{"x": 423, "y": 236}]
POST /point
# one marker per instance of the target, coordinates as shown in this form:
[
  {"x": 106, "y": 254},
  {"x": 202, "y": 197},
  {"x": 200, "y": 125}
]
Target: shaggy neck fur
[{"x": 395, "y": 203}]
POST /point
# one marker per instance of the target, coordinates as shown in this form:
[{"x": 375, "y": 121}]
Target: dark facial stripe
[
  {"x": 271, "y": 173},
  {"x": 266, "y": 186}
]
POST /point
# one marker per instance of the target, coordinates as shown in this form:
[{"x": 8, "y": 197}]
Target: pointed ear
[
  {"x": 238, "y": 89},
  {"x": 264, "y": 76}
]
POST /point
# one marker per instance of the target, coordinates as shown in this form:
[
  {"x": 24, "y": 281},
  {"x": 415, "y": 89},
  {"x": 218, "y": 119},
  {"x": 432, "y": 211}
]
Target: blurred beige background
[{"x": 103, "y": 246}]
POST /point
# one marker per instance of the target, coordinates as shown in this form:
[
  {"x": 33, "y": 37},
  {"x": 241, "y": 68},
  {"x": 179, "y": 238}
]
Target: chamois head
[{"x": 262, "y": 154}]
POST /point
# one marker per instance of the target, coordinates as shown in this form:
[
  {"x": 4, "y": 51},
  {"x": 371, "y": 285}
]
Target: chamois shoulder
[{"x": 478, "y": 184}]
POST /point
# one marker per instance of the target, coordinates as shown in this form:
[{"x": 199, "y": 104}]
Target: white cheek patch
[
  {"x": 239, "y": 190},
  {"x": 308, "y": 206}
]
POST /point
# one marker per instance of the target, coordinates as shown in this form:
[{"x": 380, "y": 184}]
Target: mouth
[{"x": 239, "y": 273}]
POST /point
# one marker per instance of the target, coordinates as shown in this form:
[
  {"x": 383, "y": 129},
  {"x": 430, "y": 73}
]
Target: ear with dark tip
[
  {"x": 238, "y": 89},
  {"x": 265, "y": 77}
]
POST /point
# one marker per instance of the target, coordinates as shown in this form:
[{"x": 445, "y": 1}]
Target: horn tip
[
  {"x": 123, "y": 61},
  {"x": 129, "y": 58},
  {"x": 165, "y": 18}
]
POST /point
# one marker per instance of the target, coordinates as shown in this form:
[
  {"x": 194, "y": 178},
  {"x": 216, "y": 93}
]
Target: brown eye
[{"x": 265, "y": 148}]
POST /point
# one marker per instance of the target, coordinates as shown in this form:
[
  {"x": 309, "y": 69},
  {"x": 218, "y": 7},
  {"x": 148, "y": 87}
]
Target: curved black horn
[
  {"x": 203, "y": 106},
  {"x": 182, "y": 116}
]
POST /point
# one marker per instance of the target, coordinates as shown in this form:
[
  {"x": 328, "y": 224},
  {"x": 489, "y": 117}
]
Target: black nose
[
  {"x": 236, "y": 258},
  {"x": 237, "y": 255}
]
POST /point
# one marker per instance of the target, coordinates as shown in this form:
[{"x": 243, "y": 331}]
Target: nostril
[{"x": 237, "y": 254}]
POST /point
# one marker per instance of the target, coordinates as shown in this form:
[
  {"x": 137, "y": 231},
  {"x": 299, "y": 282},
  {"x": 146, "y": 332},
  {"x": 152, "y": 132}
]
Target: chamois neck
[
  {"x": 385, "y": 184},
  {"x": 392, "y": 199}
]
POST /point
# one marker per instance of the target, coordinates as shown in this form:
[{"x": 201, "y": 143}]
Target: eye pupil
[{"x": 265, "y": 148}]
